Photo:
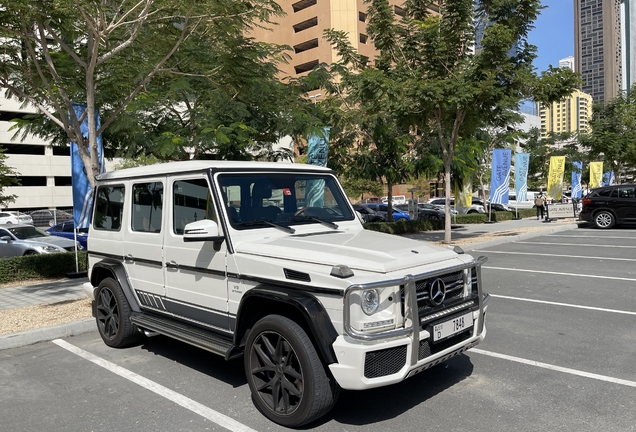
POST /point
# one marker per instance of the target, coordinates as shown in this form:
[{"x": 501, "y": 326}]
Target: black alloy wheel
[
  {"x": 113, "y": 316},
  {"x": 288, "y": 381}
]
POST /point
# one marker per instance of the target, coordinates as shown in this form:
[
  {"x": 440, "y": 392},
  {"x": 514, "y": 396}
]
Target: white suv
[{"x": 269, "y": 262}]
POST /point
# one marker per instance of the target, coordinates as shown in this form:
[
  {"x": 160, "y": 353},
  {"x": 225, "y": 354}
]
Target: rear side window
[
  {"x": 109, "y": 208},
  {"x": 608, "y": 193},
  {"x": 147, "y": 207},
  {"x": 627, "y": 192}
]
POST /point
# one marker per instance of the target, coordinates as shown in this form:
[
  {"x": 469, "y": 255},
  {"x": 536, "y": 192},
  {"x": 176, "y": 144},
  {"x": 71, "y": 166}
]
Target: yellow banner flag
[
  {"x": 596, "y": 174},
  {"x": 464, "y": 196},
  {"x": 555, "y": 178}
]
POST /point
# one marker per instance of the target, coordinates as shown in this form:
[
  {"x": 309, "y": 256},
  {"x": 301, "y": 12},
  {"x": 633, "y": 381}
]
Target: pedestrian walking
[{"x": 539, "y": 203}]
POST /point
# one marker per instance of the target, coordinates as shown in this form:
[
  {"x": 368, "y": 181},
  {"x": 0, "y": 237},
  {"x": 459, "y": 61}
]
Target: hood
[
  {"x": 363, "y": 250},
  {"x": 52, "y": 240}
]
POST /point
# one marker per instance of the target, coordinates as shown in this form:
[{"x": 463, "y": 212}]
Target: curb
[
  {"x": 524, "y": 236},
  {"x": 29, "y": 337}
]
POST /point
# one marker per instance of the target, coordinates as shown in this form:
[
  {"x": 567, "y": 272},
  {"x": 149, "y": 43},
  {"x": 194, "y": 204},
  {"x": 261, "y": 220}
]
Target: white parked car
[
  {"x": 24, "y": 218},
  {"x": 461, "y": 210},
  {"x": 310, "y": 300},
  {"x": 8, "y": 218}
]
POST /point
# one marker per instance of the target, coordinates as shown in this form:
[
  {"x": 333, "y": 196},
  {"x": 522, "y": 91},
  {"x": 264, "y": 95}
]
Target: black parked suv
[{"x": 610, "y": 205}]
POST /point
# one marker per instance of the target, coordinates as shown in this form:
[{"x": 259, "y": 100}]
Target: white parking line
[
  {"x": 559, "y": 273},
  {"x": 555, "y": 368},
  {"x": 179, "y": 399},
  {"x": 618, "y": 311},
  {"x": 591, "y": 236},
  {"x": 575, "y": 244},
  {"x": 556, "y": 255}
]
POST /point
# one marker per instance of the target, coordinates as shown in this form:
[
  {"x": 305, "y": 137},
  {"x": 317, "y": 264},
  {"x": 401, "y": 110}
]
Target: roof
[{"x": 199, "y": 165}]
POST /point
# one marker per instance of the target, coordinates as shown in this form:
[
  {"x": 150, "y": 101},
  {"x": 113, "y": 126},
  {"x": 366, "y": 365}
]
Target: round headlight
[{"x": 370, "y": 301}]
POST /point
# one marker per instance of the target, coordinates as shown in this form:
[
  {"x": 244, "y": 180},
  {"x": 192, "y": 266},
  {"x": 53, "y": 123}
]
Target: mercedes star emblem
[{"x": 437, "y": 292}]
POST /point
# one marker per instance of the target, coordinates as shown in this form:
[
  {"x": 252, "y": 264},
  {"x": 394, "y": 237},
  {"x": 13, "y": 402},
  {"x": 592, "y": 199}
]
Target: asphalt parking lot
[{"x": 559, "y": 356}]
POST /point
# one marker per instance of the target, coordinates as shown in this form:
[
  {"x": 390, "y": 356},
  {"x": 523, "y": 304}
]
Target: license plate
[{"x": 452, "y": 327}]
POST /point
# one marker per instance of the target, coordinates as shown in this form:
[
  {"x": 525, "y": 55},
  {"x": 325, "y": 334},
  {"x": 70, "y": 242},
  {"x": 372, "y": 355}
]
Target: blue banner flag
[
  {"x": 608, "y": 178},
  {"x": 577, "y": 191},
  {"x": 522, "y": 160},
  {"x": 82, "y": 191},
  {"x": 500, "y": 176},
  {"x": 317, "y": 151}
]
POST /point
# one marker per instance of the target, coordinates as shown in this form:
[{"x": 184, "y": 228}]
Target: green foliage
[
  {"x": 41, "y": 266},
  {"x": 7, "y": 178},
  {"x": 613, "y": 136}
]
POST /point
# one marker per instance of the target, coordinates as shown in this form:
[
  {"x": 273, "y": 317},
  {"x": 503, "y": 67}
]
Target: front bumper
[{"x": 363, "y": 366}]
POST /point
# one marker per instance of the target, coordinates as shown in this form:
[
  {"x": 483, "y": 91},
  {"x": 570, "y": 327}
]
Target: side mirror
[
  {"x": 6, "y": 238},
  {"x": 203, "y": 230}
]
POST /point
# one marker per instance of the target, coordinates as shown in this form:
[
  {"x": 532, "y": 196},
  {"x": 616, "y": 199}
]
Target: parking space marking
[
  {"x": 560, "y": 273},
  {"x": 575, "y": 244},
  {"x": 555, "y": 368},
  {"x": 179, "y": 399},
  {"x": 618, "y": 311},
  {"x": 556, "y": 255},
  {"x": 590, "y": 236}
]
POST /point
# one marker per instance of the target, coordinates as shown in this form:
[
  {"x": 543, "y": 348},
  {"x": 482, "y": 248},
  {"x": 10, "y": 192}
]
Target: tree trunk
[
  {"x": 389, "y": 204},
  {"x": 447, "y": 191}
]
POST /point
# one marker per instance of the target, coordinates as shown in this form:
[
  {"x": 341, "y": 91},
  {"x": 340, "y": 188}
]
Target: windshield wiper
[
  {"x": 315, "y": 219},
  {"x": 266, "y": 222}
]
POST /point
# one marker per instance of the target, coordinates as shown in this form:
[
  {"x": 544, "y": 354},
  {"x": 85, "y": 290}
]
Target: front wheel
[
  {"x": 604, "y": 220},
  {"x": 113, "y": 316},
  {"x": 288, "y": 381}
]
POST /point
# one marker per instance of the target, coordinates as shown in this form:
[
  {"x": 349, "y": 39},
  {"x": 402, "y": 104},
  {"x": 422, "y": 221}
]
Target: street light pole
[{"x": 314, "y": 97}]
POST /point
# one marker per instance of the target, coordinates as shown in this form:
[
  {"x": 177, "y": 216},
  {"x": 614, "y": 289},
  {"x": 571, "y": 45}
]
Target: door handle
[
  {"x": 172, "y": 264},
  {"x": 129, "y": 258}
]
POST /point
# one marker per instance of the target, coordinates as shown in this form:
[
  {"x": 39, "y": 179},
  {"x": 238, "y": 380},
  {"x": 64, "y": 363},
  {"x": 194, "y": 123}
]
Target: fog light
[{"x": 370, "y": 301}]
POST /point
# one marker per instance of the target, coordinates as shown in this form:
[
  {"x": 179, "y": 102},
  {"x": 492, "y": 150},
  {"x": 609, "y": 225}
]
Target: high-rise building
[
  {"x": 572, "y": 114},
  {"x": 568, "y": 63},
  {"x": 629, "y": 44},
  {"x": 303, "y": 25},
  {"x": 597, "y": 47}
]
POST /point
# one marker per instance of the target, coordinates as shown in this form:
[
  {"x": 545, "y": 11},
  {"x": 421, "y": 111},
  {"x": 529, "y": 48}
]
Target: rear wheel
[
  {"x": 113, "y": 316},
  {"x": 288, "y": 381},
  {"x": 604, "y": 220}
]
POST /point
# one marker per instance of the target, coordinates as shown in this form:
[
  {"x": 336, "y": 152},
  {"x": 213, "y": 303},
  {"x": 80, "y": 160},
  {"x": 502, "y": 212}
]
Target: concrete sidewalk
[{"x": 472, "y": 236}]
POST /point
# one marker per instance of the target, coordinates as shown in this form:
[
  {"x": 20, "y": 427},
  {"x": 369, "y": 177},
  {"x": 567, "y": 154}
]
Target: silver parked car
[{"x": 18, "y": 240}]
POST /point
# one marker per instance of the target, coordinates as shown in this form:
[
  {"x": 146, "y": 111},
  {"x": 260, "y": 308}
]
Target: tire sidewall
[
  {"x": 126, "y": 332},
  {"x": 289, "y": 330}
]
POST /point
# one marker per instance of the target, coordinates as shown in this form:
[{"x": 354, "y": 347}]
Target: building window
[
  {"x": 32, "y": 181},
  {"x": 363, "y": 38},
  {"x": 303, "y": 4},
  {"x": 362, "y": 17},
  {"x": 61, "y": 151},
  {"x": 63, "y": 181},
  {"x": 306, "y": 46},
  {"x": 25, "y": 149},
  {"x": 312, "y": 22},
  {"x": 306, "y": 67},
  {"x": 399, "y": 11}
]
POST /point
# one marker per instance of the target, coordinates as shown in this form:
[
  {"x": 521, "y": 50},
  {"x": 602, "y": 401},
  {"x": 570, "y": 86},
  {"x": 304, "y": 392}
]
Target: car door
[
  {"x": 143, "y": 234},
  {"x": 626, "y": 203},
  {"x": 195, "y": 272},
  {"x": 9, "y": 248}
]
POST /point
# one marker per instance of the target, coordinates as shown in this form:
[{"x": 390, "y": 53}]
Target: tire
[
  {"x": 113, "y": 316},
  {"x": 402, "y": 219},
  {"x": 30, "y": 253},
  {"x": 472, "y": 211},
  {"x": 280, "y": 358},
  {"x": 604, "y": 220}
]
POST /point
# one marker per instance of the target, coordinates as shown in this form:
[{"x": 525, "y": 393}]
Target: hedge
[{"x": 41, "y": 266}]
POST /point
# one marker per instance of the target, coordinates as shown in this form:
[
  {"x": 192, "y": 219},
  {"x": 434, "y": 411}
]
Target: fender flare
[
  {"x": 311, "y": 309},
  {"x": 116, "y": 269}
]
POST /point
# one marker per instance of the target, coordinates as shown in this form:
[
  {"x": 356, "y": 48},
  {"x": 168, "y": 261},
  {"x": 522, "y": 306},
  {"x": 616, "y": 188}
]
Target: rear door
[
  {"x": 626, "y": 203},
  {"x": 195, "y": 272}
]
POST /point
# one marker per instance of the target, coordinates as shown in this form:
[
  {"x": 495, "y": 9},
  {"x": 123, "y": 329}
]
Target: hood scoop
[{"x": 296, "y": 275}]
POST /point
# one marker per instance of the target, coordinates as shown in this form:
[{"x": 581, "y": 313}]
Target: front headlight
[
  {"x": 48, "y": 249},
  {"x": 79, "y": 246},
  {"x": 468, "y": 282},
  {"x": 370, "y": 301}
]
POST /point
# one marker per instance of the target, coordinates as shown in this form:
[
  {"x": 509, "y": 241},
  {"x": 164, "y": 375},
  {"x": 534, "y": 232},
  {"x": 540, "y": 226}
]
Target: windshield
[
  {"x": 24, "y": 233},
  {"x": 283, "y": 199}
]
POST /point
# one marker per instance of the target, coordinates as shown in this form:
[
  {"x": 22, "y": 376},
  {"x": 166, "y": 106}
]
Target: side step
[{"x": 187, "y": 333}]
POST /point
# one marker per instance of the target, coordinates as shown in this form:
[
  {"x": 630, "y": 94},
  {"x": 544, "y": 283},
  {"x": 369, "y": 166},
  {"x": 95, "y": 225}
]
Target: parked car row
[{"x": 19, "y": 239}]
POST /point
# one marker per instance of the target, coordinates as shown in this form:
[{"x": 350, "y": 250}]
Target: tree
[
  {"x": 105, "y": 53},
  {"x": 7, "y": 178},
  {"x": 613, "y": 136}
]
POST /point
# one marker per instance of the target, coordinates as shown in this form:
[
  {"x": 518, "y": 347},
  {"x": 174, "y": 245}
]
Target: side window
[
  {"x": 109, "y": 208},
  {"x": 147, "y": 207},
  {"x": 627, "y": 192},
  {"x": 192, "y": 201},
  {"x": 67, "y": 227}
]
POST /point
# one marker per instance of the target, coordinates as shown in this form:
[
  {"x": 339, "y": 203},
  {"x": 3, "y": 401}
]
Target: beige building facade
[
  {"x": 572, "y": 114},
  {"x": 302, "y": 29}
]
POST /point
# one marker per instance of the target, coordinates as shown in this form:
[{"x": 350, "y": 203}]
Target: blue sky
[{"x": 553, "y": 33}]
